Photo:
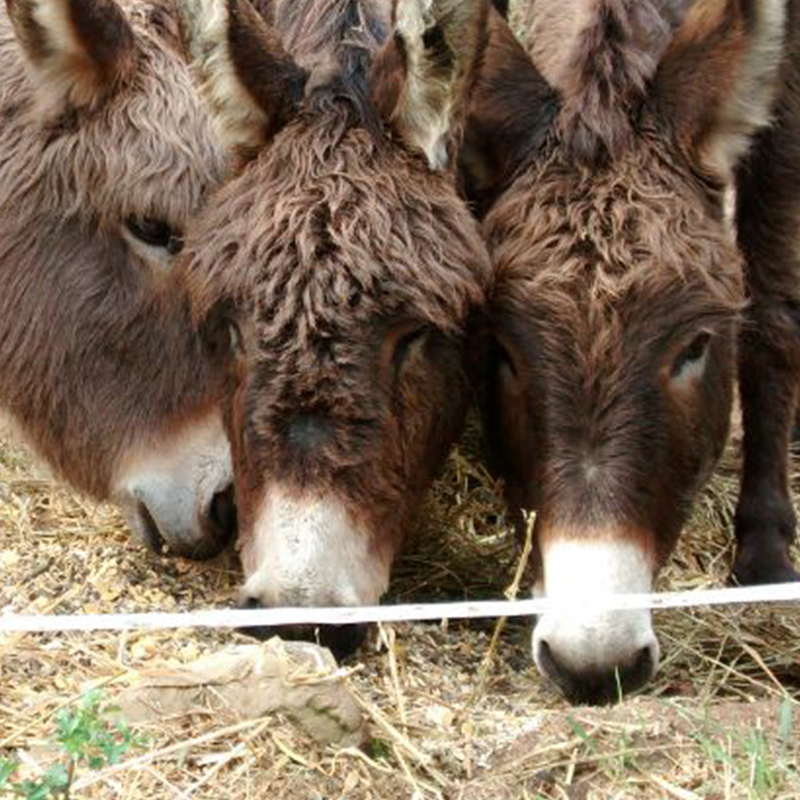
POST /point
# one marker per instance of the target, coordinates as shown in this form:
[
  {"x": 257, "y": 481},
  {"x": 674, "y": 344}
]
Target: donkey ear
[
  {"x": 719, "y": 77},
  {"x": 78, "y": 49},
  {"x": 423, "y": 76},
  {"x": 511, "y": 110},
  {"x": 251, "y": 84}
]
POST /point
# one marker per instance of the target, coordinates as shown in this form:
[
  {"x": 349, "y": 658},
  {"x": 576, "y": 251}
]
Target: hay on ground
[{"x": 708, "y": 726}]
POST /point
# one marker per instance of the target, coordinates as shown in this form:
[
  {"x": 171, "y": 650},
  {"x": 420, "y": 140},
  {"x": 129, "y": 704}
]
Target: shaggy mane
[{"x": 335, "y": 42}]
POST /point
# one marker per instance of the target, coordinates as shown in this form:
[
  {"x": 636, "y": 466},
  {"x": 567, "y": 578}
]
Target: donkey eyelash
[
  {"x": 235, "y": 337},
  {"x": 502, "y": 356},
  {"x": 155, "y": 233},
  {"x": 405, "y": 344},
  {"x": 692, "y": 358}
]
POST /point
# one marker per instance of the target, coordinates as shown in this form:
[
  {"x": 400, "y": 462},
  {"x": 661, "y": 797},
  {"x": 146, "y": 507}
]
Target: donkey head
[
  {"x": 340, "y": 272},
  {"x": 109, "y": 154},
  {"x": 614, "y": 312}
]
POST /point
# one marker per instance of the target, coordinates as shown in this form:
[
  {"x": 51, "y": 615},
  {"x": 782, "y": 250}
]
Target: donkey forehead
[
  {"x": 640, "y": 227},
  {"x": 326, "y": 307},
  {"x": 602, "y": 332},
  {"x": 312, "y": 236},
  {"x": 649, "y": 183}
]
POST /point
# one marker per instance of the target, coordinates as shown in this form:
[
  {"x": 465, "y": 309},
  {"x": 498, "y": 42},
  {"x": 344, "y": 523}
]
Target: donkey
[
  {"x": 338, "y": 276},
  {"x": 105, "y": 153},
  {"x": 619, "y": 298}
]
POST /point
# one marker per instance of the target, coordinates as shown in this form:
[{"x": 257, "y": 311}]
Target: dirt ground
[{"x": 720, "y": 720}]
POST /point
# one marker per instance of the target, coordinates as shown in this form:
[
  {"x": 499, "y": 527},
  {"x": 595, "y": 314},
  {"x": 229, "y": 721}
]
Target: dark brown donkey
[
  {"x": 337, "y": 275},
  {"x": 105, "y": 152},
  {"x": 619, "y": 297}
]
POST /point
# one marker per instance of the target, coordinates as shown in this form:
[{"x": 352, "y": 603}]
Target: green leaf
[
  {"x": 582, "y": 733},
  {"x": 380, "y": 750},
  {"x": 57, "y": 777},
  {"x": 785, "y": 725},
  {"x": 7, "y": 769},
  {"x": 33, "y": 790}
]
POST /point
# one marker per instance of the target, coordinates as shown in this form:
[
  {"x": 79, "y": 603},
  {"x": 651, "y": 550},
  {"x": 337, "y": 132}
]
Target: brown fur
[
  {"x": 611, "y": 258},
  {"x": 587, "y": 340},
  {"x": 352, "y": 272},
  {"x": 96, "y": 353}
]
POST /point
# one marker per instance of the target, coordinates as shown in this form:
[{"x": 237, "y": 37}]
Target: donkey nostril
[
  {"x": 544, "y": 657},
  {"x": 597, "y": 682},
  {"x": 260, "y": 632},
  {"x": 342, "y": 640},
  {"x": 644, "y": 664},
  {"x": 150, "y": 532},
  {"x": 222, "y": 513}
]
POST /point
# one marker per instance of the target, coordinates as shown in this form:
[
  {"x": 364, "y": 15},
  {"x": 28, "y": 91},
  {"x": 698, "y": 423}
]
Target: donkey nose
[
  {"x": 342, "y": 640},
  {"x": 596, "y": 681}
]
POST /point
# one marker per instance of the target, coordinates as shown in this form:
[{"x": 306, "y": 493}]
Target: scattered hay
[{"x": 707, "y": 726}]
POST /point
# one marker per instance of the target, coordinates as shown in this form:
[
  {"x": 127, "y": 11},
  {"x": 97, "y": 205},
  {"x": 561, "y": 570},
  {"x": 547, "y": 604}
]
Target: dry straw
[{"x": 726, "y": 675}]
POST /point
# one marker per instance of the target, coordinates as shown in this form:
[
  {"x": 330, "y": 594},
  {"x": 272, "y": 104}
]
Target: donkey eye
[
  {"x": 502, "y": 359},
  {"x": 155, "y": 233},
  {"x": 691, "y": 355},
  {"x": 223, "y": 336},
  {"x": 405, "y": 344},
  {"x": 235, "y": 338}
]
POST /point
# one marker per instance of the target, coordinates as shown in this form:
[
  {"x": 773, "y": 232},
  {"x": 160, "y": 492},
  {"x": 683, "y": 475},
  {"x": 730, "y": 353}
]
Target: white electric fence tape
[{"x": 268, "y": 617}]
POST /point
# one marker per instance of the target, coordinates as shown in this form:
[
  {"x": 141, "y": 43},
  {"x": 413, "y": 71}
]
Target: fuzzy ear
[
  {"x": 251, "y": 84},
  {"x": 719, "y": 77},
  {"x": 610, "y": 55},
  {"x": 423, "y": 76},
  {"x": 511, "y": 110},
  {"x": 78, "y": 49}
]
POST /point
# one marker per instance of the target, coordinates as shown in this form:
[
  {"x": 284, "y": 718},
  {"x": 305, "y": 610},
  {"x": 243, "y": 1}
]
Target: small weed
[
  {"x": 85, "y": 738},
  {"x": 380, "y": 750},
  {"x": 588, "y": 740},
  {"x": 763, "y": 778},
  {"x": 613, "y": 763},
  {"x": 7, "y": 769},
  {"x": 785, "y": 727},
  {"x": 759, "y": 769}
]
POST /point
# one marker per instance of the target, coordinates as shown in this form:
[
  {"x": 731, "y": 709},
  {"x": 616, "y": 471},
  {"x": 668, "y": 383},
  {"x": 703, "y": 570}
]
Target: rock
[{"x": 297, "y": 679}]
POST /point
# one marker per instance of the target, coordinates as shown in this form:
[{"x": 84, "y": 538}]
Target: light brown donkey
[
  {"x": 342, "y": 272},
  {"x": 619, "y": 296},
  {"x": 105, "y": 153}
]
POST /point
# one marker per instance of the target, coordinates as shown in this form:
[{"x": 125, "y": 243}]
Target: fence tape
[{"x": 412, "y": 612}]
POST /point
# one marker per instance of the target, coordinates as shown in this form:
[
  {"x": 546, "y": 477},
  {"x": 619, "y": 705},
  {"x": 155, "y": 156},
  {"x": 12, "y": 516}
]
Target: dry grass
[{"x": 708, "y": 727}]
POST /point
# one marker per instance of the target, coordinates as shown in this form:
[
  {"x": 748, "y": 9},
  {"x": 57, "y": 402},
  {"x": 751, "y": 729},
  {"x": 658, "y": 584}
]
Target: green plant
[
  {"x": 761, "y": 766},
  {"x": 85, "y": 738},
  {"x": 380, "y": 750}
]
